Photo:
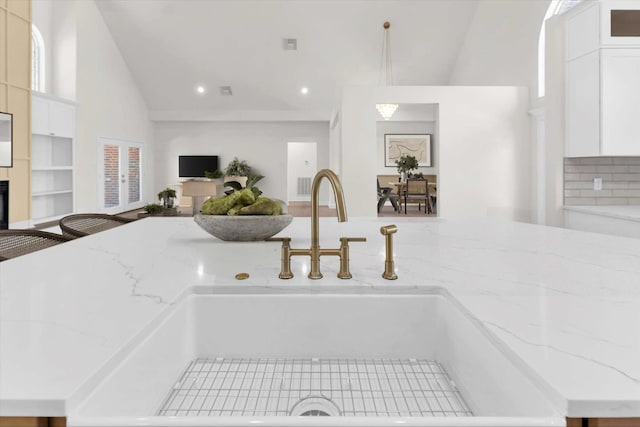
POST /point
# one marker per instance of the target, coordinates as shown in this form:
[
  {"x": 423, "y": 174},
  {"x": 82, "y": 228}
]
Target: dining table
[{"x": 400, "y": 191}]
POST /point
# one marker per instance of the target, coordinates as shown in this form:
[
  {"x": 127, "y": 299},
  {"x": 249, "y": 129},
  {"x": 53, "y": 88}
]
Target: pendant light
[{"x": 386, "y": 110}]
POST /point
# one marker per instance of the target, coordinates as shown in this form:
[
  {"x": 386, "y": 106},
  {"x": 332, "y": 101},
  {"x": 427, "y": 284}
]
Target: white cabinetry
[
  {"x": 52, "y": 148},
  {"x": 602, "y": 84},
  {"x": 52, "y": 117},
  {"x": 620, "y": 101},
  {"x": 583, "y": 106}
]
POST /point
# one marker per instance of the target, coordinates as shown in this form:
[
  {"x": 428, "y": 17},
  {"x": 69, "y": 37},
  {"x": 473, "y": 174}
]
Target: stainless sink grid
[{"x": 272, "y": 387}]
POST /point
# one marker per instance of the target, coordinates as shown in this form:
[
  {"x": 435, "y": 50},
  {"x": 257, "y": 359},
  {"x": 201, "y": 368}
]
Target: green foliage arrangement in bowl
[
  {"x": 243, "y": 228},
  {"x": 242, "y": 215}
]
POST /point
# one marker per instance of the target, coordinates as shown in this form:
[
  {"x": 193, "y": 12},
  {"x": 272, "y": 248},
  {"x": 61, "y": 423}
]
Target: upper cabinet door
[
  {"x": 620, "y": 102},
  {"x": 61, "y": 122},
  {"x": 583, "y": 106},
  {"x": 50, "y": 117}
]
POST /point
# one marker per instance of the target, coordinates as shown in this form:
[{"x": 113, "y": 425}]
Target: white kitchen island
[{"x": 564, "y": 304}]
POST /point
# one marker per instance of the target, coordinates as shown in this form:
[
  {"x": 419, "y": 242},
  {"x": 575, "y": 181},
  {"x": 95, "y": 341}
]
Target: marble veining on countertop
[{"x": 566, "y": 303}]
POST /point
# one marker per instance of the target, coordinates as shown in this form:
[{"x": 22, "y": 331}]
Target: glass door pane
[
  {"x": 111, "y": 173},
  {"x": 133, "y": 187}
]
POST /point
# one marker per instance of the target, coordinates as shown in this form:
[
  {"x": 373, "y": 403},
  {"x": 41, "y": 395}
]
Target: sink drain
[{"x": 315, "y": 406}]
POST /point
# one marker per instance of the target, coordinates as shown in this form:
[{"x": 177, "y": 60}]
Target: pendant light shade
[{"x": 386, "y": 110}]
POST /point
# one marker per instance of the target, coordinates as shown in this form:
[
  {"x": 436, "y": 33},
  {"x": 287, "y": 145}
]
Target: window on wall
[
  {"x": 37, "y": 60},
  {"x": 555, "y": 8}
]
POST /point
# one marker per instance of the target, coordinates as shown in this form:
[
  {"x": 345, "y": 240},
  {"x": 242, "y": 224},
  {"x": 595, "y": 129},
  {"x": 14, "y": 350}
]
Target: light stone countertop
[
  {"x": 627, "y": 212},
  {"x": 566, "y": 303}
]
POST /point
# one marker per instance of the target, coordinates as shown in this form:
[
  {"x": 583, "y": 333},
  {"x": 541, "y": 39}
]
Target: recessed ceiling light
[
  {"x": 304, "y": 90},
  {"x": 225, "y": 91},
  {"x": 201, "y": 89}
]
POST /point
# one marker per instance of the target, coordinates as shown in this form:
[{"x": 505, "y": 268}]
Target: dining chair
[
  {"x": 417, "y": 190},
  {"x": 80, "y": 225},
  {"x": 384, "y": 194},
  {"x": 17, "y": 242}
]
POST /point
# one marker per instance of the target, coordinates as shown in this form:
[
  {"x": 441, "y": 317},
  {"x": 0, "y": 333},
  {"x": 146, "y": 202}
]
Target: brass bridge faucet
[{"x": 315, "y": 252}]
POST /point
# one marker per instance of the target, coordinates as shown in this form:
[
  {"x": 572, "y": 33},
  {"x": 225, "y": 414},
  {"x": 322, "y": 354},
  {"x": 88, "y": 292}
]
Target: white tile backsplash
[{"x": 620, "y": 181}]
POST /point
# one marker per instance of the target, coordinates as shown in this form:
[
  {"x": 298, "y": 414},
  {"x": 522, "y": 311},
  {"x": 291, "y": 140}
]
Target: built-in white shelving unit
[{"x": 52, "y": 148}]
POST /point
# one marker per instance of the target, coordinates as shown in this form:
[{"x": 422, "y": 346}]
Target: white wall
[
  {"x": 262, "y": 144},
  {"x": 501, "y": 45},
  {"x": 554, "y": 122},
  {"x": 64, "y": 52},
  {"x": 109, "y": 105},
  {"x": 84, "y": 65},
  {"x": 484, "y": 166},
  {"x": 335, "y": 143},
  {"x": 301, "y": 162}
]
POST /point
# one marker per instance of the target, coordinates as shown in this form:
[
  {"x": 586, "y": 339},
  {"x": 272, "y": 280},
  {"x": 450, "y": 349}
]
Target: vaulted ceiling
[{"x": 171, "y": 46}]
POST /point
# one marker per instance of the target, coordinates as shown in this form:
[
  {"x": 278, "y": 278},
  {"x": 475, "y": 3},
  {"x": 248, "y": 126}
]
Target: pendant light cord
[{"x": 385, "y": 59}]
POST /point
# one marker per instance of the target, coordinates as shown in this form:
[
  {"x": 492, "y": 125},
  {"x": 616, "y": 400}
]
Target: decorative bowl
[{"x": 243, "y": 228}]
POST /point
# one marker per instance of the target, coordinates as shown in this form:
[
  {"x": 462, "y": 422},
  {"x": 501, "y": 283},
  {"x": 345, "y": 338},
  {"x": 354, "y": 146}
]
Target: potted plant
[
  {"x": 237, "y": 170},
  {"x": 167, "y": 196},
  {"x": 216, "y": 174},
  {"x": 250, "y": 183},
  {"x": 153, "y": 209},
  {"x": 405, "y": 164}
]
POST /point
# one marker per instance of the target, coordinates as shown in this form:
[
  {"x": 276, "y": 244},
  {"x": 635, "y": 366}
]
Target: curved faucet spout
[
  {"x": 341, "y": 211},
  {"x": 314, "y": 252}
]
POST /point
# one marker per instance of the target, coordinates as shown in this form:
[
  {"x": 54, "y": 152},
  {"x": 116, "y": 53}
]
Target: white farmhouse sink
[{"x": 275, "y": 333}]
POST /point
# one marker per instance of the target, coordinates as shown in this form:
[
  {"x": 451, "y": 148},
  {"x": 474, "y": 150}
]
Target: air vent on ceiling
[
  {"x": 225, "y": 91},
  {"x": 290, "y": 44}
]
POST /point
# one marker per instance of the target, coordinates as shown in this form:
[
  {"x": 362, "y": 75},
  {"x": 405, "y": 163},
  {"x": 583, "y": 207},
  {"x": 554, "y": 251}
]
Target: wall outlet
[{"x": 597, "y": 184}]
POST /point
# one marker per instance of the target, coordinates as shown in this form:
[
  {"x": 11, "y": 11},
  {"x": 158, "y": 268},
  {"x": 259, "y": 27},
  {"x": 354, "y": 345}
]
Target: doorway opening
[
  {"x": 413, "y": 130},
  {"x": 120, "y": 175},
  {"x": 302, "y": 166}
]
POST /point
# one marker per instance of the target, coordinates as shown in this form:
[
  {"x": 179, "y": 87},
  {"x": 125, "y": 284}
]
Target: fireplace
[{"x": 4, "y": 205}]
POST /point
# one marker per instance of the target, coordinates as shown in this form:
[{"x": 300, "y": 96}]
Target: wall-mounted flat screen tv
[{"x": 195, "y": 166}]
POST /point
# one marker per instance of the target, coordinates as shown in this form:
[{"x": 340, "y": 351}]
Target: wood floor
[
  {"x": 412, "y": 210},
  {"x": 304, "y": 209}
]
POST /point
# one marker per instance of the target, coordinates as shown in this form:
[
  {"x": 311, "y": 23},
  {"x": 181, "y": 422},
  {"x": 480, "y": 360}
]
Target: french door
[{"x": 120, "y": 175}]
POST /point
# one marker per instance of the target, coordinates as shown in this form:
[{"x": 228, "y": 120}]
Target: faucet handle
[
  {"x": 285, "y": 258},
  {"x": 344, "y": 255},
  {"x": 346, "y": 240}
]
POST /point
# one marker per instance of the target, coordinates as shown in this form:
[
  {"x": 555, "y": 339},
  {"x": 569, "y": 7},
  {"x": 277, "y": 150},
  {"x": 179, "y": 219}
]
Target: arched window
[
  {"x": 37, "y": 60},
  {"x": 555, "y": 8}
]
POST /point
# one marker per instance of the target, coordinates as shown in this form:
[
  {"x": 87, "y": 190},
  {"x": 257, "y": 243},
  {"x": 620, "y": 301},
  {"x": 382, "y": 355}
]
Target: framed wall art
[{"x": 417, "y": 145}]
